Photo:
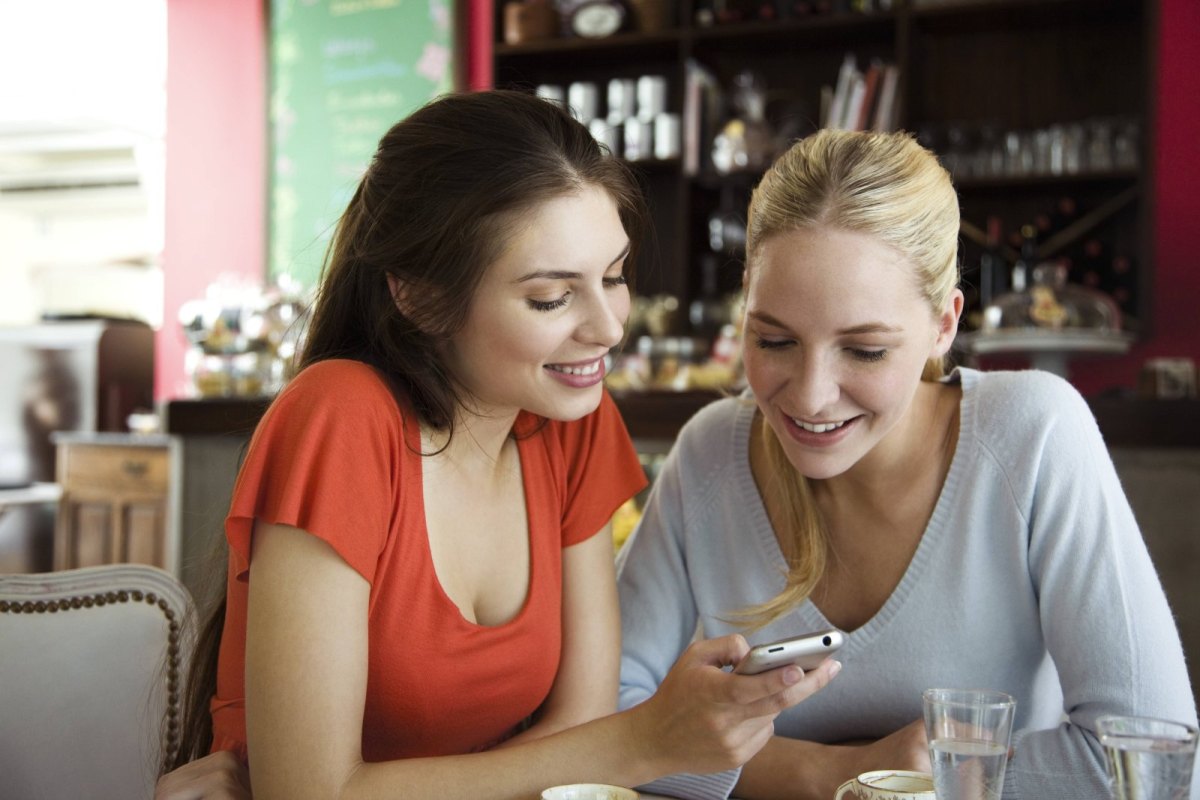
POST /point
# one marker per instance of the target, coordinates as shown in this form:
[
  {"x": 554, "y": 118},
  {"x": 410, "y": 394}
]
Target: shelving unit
[{"x": 975, "y": 65}]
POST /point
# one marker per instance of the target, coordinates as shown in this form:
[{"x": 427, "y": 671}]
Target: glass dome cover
[{"x": 1052, "y": 304}]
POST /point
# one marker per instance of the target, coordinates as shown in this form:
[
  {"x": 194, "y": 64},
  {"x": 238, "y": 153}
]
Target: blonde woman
[{"x": 962, "y": 530}]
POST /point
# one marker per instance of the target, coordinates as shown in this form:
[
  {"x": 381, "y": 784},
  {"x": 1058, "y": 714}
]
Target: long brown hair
[
  {"x": 887, "y": 186},
  {"x": 443, "y": 194}
]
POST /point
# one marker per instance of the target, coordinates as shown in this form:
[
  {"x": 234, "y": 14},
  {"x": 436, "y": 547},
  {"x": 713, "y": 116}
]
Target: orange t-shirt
[{"x": 332, "y": 456}]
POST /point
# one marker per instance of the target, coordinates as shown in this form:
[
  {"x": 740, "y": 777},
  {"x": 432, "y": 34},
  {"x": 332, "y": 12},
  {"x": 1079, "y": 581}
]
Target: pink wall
[
  {"x": 216, "y": 159},
  {"x": 1176, "y": 244}
]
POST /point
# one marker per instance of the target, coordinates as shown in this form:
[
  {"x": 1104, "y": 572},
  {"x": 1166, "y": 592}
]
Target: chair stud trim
[{"x": 101, "y": 599}]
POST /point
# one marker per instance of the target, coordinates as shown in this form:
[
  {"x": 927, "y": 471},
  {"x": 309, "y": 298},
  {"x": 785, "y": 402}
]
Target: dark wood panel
[{"x": 1124, "y": 421}]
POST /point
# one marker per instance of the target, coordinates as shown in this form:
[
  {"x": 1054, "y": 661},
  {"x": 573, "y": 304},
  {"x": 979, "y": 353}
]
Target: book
[
  {"x": 841, "y": 93},
  {"x": 870, "y": 99},
  {"x": 854, "y": 102},
  {"x": 887, "y": 108},
  {"x": 701, "y": 98}
]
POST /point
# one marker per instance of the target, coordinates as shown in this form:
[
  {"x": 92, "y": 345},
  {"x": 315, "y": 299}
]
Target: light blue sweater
[{"x": 1031, "y": 578}]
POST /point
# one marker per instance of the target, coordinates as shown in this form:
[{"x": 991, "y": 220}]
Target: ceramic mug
[
  {"x": 887, "y": 784},
  {"x": 589, "y": 791}
]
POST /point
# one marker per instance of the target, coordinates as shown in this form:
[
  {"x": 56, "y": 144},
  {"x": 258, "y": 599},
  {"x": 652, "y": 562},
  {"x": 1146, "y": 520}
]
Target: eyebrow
[
  {"x": 563, "y": 275},
  {"x": 856, "y": 330}
]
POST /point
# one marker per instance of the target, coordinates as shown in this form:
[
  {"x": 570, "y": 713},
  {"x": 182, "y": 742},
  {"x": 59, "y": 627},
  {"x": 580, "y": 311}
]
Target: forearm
[
  {"x": 612, "y": 750},
  {"x": 792, "y": 769},
  {"x": 548, "y": 724}
]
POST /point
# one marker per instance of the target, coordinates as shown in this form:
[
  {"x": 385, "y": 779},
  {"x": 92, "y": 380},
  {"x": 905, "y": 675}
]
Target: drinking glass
[
  {"x": 1148, "y": 759},
  {"x": 968, "y": 732}
]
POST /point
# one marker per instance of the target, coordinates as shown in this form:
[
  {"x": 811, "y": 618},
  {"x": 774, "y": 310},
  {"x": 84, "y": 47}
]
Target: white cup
[
  {"x": 651, "y": 96},
  {"x": 887, "y": 784},
  {"x": 639, "y": 140},
  {"x": 666, "y": 136},
  {"x": 622, "y": 99},
  {"x": 606, "y": 134},
  {"x": 549, "y": 91},
  {"x": 582, "y": 100},
  {"x": 589, "y": 791}
]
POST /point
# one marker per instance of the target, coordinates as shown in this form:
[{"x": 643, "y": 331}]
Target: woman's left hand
[{"x": 218, "y": 776}]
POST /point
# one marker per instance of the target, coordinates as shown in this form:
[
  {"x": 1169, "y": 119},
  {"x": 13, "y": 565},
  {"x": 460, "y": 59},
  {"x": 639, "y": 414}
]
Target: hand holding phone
[{"x": 806, "y": 652}]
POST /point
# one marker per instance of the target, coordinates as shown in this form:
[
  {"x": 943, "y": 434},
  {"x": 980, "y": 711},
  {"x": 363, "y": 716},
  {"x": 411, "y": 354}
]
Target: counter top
[
  {"x": 33, "y": 494},
  {"x": 1124, "y": 421},
  {"x": 111, "y": 438}
]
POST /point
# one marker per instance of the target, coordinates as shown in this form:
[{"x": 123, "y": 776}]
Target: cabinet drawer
[{"x": 124, "y": 469}]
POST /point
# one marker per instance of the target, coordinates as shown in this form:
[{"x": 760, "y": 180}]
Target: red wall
[
  {"x": 1176, "y": 245},
  {"x": 216, "y": 160}
]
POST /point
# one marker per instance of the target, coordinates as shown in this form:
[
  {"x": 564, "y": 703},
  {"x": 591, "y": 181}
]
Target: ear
[
  {"x": 947, "y": 324},
  {"x": 400, "y": 294}
]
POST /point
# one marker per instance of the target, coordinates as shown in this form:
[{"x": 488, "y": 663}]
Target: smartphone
[{"x": 805, "y": 651}]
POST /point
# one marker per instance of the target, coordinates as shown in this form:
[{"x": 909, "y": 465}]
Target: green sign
[{"x": 342, "y": 73}]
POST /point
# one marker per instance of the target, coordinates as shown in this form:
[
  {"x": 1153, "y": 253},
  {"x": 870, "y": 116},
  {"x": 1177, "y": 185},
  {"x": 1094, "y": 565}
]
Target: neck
[{"x": 478, "y": 443}]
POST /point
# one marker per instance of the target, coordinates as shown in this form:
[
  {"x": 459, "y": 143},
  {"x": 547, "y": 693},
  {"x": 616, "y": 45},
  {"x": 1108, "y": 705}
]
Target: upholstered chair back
[{"x": 92, "y": 662}]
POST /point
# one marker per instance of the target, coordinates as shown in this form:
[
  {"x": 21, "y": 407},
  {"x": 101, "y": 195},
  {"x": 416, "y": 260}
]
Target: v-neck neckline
[{"x": 935, "y": 530}]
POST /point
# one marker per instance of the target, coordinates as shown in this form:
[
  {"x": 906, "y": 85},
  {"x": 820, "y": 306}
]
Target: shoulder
[
  {"x": 1029, "y": 414},
  {"x": 714, "y": 427},
  {"x": 1028, "y": 394},
  {"x": 336, "y": 393},
  {"x": 712, "y": 444},
  {"x": 338, "y": 376}
]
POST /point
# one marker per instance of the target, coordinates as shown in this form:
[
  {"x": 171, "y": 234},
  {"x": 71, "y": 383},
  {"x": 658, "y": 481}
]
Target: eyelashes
[
  {"x": 547, "y": 305},
  {"x": 554, "y": 305},
  {"x": 869, "y": 355},
  {"x": 859, "y": 354}
]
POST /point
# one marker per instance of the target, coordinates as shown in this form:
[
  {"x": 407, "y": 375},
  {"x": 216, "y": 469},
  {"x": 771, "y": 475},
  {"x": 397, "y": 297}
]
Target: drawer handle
[{"x": 135, "y": 469}]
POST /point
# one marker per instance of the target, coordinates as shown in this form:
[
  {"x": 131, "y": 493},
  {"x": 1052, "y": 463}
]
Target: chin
[{"x": 570, "y": 409}]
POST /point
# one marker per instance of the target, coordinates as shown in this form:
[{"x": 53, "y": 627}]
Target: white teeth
[
  {"x": 590, "y": 369},
  {"x": 819, "y": 427}
]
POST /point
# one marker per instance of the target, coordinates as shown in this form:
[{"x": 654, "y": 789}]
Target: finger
[
  {"x": 791, "y": 685},
  {"x": 723, "y": 651}
]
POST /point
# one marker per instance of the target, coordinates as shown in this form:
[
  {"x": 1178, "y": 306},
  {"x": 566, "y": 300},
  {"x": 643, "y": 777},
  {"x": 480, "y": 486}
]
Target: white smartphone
[{"x": 805, "y": 651}]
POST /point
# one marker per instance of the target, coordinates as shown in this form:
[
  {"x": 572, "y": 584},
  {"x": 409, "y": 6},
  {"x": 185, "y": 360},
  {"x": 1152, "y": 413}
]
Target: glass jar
[{"x": 1051, "y": 303}]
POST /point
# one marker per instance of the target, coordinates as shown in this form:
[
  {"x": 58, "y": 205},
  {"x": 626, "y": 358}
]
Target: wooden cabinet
[
  {"x": 114, "y": 503},
  {"x": 974, "y": 77}
]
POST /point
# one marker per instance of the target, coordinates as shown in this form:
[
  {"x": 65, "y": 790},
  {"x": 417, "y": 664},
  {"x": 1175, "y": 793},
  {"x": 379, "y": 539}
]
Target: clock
[{"x": 592, "y": 19}]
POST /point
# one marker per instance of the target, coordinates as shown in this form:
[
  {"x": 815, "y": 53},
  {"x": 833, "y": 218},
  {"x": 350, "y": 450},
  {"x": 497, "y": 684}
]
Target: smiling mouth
[
  {"x": 583, "y": 370},
  {"x": 818, "y": 427}
]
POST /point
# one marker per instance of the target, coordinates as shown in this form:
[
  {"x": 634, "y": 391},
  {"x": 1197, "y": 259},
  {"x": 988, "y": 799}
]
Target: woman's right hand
[
  {"x": 705, "y": 719},
  {"x": 217, "y": 776},
  {"x": 906, "y": 748}
]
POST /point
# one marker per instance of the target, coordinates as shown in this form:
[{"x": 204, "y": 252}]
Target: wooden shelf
[
  {"x": 622, "y": 43},
  {"x": 1001, "y": 64},
  {"x": 973, "y": 14},
  {"x": 832, "y": 26},
  {"x": 1064, "y": 180}
]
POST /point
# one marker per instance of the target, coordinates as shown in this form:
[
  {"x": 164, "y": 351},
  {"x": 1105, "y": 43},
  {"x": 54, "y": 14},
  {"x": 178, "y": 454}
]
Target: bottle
[
  {"x": 1020, "y": 271},
  {"x": 991, "y": 265},
  {"x": 708, "y": 312}
]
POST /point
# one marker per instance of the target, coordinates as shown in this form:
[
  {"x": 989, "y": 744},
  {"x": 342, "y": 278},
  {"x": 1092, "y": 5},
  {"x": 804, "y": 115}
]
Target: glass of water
[
  {"x": 1148, "y": 759},
  {"x": 968, "y": 731}
]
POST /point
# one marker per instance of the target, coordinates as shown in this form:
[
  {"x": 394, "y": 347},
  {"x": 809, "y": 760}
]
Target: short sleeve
[
  {"x": 601, "y": 470},
  {"x": 325, "y": 458}
]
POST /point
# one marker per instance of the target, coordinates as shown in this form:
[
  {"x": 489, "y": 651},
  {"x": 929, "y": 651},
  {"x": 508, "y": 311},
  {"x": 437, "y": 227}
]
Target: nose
[
  {"x": 604, "y": 317},
  {"x": 814, "y": 386}
]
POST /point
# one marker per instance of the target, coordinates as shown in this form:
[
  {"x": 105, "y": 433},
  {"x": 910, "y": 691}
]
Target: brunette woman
[{"x": 421, "y": 598}]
